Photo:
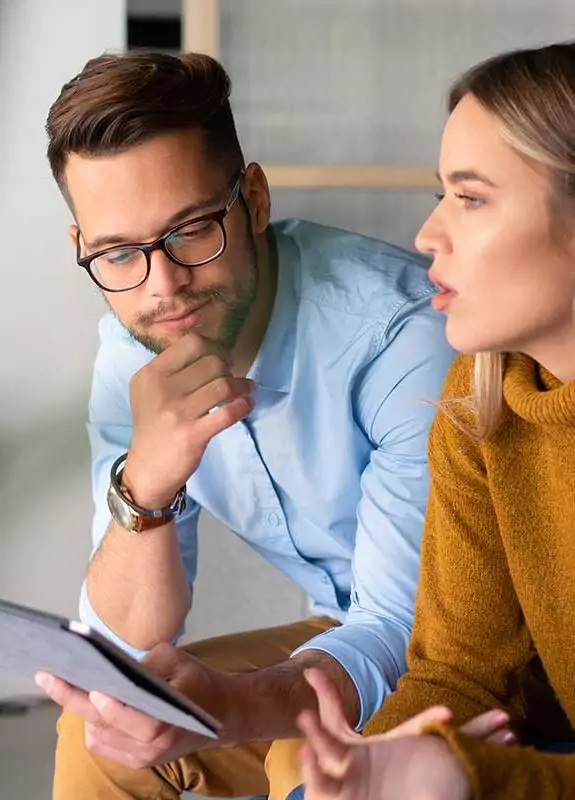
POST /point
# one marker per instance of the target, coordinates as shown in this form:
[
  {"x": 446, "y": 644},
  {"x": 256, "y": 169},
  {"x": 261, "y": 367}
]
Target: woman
[{"x": 495, "y": 614}]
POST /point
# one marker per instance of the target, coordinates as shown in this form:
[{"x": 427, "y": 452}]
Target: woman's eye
[{"x": 469, "y": 200}]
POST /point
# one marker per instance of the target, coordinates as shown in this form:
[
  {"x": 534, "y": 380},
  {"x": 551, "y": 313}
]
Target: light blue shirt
[{"x": 327, "y": 478}]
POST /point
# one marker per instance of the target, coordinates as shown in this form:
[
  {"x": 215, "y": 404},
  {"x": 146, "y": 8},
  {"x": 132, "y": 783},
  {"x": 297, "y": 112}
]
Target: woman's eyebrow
[{"x": 461, "y": 175}]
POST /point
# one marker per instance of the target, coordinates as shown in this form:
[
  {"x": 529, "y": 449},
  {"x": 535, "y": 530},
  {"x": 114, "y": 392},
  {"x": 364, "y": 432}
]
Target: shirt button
[{"x": 272, "y": 519}]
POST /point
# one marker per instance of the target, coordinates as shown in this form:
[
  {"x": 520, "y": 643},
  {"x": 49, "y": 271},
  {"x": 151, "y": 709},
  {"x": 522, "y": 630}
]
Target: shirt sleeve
[
  {"x": 110, "y": 431},
  {"x": 470, "y": 645},
  {"x": 394, "y": 404}
]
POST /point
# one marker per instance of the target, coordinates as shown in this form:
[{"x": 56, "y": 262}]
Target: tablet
[{"x": 32, "y": 640}]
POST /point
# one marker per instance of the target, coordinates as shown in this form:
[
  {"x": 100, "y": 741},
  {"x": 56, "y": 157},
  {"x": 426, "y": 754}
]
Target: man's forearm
[
  {"x": 275, "y": 696},
  {"x": 138, "y": 586}
]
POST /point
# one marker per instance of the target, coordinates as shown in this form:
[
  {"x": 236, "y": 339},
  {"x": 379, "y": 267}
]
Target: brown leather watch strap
[
  {"x": 142, "y": 523},
  {"x": 141, "y": 519}
]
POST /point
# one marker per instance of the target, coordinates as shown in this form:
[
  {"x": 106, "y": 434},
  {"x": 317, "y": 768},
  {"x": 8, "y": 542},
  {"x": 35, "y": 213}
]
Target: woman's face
[{"x": 507, "y": 269}]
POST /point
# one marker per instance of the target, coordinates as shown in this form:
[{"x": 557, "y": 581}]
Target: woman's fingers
[
  {"x": 318, "y": 785},
  {"x": 486, "y": 725},
  {"x": 331, "y": 753},
  {"x": 330, "y": 706},
  {"x": 504, "y": 736},
  {"x": 415, "y": 725}
]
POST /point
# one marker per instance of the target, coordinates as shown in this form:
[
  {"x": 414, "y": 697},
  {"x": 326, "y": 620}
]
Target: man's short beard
[
  {"x": 236, "y": 314},
  {"x": 238, "y": 307}
]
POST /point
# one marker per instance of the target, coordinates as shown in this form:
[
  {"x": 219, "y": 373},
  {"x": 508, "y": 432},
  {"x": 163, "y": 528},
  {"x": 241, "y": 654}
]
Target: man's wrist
[
  {"x": 338, "y": 675},
  {"x": 269, "y": 700},
  {"x": 145, "y": 492}
]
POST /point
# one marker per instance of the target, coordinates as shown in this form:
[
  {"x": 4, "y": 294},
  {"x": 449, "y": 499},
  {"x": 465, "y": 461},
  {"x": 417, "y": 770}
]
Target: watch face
[{"x": 121, "y": 512}]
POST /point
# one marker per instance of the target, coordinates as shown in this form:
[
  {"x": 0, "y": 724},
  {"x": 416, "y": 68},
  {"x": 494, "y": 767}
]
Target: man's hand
[
  {"x": 171, "y": 398},
  {"x": 340, "y": 764},
  {"x": 129, "y": 737},
  {"x": 139, "y": 585},
  {"x": 258, "y": 705}
]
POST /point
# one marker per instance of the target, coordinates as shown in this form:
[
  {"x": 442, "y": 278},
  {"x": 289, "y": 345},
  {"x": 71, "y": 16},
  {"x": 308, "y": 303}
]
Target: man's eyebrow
[
  {"x": 195, "y": 209},
  {"x": 461, "y": 175}
]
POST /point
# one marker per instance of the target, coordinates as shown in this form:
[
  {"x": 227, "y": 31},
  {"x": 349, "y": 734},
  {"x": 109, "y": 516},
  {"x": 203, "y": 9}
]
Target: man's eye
[
  {"x": 189, "y": 234},
  {"x": 119, "y": 258}
]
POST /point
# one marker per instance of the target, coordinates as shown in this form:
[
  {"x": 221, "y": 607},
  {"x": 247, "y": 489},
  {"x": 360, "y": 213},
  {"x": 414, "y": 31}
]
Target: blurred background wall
[
  {"x": 49, "y": 311},
  {"x": 316, "y": 82}
]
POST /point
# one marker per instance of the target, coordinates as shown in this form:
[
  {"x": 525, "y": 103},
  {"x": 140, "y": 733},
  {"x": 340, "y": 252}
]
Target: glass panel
[
  {"x": 394, "y": 216},
  {"x": 335, "y": 81}
]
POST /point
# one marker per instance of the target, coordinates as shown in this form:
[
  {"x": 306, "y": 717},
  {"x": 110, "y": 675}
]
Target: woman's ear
[{"x": 256, "y": 193}]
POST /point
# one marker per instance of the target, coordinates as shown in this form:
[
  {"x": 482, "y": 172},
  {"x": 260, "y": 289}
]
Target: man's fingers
[
  {"x": 330, "y": 706},
  {"x": 485, "y": 725},
  {"x": 187, "y": 350},
  {"x": 206, "y": 369},
  {"x": 67, "y": 696},
  {"x": 331, "y": 753},
  {"x": 217, "y": 393},
  {"x": 101, "y": 711},
  {"x": 224, "y": 417},
  {"x": 115, "y": 749},
  {"x": 163, "y": 660},
  {"x": 140, "y": 727},
  {"x": 415, "y": 725},
  {"x": 318, "y": 785}
]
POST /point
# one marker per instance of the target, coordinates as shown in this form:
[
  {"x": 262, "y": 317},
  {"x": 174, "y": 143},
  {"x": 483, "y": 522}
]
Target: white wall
[{"x": 48, "y": 311}]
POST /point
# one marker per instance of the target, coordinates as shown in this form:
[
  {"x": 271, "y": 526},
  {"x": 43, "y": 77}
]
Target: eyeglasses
[{"x": 190, "y": 244}]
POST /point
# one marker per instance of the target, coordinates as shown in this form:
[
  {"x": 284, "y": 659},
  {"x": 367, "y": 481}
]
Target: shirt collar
[{"x": 273, "y": 365}]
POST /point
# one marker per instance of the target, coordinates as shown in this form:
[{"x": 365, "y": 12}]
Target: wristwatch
[{"x": 133, "y": 517}]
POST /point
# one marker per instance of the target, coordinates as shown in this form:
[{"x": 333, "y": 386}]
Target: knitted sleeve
[
  {"x": 511, "y": 773},
  {"x": 469, "y": 641}
]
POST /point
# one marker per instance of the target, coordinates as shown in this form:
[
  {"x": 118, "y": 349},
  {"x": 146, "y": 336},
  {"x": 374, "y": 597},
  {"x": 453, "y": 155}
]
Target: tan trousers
[{"x": 261, "y": 768}]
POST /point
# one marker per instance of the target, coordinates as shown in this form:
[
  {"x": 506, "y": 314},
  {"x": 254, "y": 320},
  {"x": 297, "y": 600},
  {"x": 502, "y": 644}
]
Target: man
[{"x": 275, "y": 375}]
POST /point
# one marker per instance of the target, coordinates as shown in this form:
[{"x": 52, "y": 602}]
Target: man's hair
[{"x": 119, "y": 101}]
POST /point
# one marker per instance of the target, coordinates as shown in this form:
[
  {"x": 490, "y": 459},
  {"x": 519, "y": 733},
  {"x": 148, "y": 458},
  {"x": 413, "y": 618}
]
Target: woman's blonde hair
[{"x": 532, "y": 95}]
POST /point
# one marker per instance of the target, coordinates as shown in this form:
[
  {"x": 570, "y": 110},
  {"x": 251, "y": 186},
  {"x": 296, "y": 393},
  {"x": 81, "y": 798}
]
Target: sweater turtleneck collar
[{"x": 536, "y": 395}]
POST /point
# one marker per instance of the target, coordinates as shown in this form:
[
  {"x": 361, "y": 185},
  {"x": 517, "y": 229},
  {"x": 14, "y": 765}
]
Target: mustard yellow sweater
[{"x": 495, "y": 612}]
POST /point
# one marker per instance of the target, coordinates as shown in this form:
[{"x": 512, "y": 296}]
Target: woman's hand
[{"x": 340, "y": 764}]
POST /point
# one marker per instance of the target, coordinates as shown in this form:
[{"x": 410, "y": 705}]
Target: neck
[
  {"x": 556, "y": 354},
  {"x": 254, "y": 330}
]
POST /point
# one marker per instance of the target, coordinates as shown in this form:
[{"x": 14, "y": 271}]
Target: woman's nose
[{"x": 432, "y": 237}]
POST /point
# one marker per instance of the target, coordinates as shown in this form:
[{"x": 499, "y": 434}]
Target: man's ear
[
  {"x": 73, "y": 234},
  {"x": 256, "y": 193}
]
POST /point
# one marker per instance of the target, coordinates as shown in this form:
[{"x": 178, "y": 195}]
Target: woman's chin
[{"x": 467, "y": 341}]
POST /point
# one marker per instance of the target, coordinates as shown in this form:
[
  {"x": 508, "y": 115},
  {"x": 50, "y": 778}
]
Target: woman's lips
[
  {"x": 444, "y": 296},
  {"x": 442, "y": 299}
]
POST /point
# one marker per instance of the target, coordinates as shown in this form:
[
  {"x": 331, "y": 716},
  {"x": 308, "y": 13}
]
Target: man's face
[{"x": 140, "y": 194}]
